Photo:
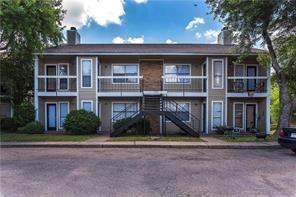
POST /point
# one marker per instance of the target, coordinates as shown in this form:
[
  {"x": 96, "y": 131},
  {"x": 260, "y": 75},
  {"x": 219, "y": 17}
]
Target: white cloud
[
  {"x": 194, "y": 23},
  {"x": 133, "y": 40},
  {"x": 141, "y": 1},
  {"x": 169, "y": 41},
  {"x": 197, "y": 35},
  {"x": 103, "y": 12},
  {"x": 211, "y": 34},
  {"x": 118, "y": 40}
]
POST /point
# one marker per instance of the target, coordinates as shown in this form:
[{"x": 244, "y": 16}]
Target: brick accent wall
[{"x": 151, "y": 72}]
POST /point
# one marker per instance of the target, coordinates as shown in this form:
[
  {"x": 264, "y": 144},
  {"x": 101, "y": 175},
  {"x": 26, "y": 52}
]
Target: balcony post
[{"x": 36, "y": 103}]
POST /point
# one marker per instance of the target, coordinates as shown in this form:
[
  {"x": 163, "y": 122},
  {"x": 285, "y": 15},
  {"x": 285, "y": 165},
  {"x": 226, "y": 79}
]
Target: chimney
[
  {"x": 73, "y": 37},
  {"x": 225, "y": 37}
]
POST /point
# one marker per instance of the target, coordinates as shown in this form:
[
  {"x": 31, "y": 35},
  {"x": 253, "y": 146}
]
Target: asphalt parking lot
[{"x": 147, "y": 172}]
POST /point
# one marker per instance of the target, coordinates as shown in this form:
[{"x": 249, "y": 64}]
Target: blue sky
[{"x": 138, "y": 21}]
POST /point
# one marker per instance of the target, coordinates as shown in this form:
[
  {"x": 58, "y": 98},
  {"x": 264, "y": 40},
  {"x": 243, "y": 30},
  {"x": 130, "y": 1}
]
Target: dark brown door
[{"x": 250, "y": 116}]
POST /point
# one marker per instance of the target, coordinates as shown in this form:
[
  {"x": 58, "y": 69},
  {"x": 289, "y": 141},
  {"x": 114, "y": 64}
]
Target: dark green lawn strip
[{"x": 18, "y": 137}]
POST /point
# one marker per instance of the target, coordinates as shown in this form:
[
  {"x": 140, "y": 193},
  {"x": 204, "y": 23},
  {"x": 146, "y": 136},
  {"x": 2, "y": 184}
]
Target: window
[
  {"x": 87, "y": 105},
  {"x": 63, "y": 71},
  {"x": 238, "y": 115},
  {"x": 64, "y": 110},
  {"x": 217, "y": 114},
  {"x": 175, "y": 71},
  {"x": 124, "y": 110},
  {"x": 123, "y": 71},
  {"x": 217, "y": 76},
  {"x": 181, "y": 110},
  {"x": 51, "y": 82},
  {"x": 86, "y": 73}
]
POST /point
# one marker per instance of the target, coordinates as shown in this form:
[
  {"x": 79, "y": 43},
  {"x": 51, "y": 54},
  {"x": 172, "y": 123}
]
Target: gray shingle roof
[{"x": 145, "y": 48}]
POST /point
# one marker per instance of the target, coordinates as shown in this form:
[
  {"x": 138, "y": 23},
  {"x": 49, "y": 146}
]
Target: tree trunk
[{"x": 285, "y": 102}]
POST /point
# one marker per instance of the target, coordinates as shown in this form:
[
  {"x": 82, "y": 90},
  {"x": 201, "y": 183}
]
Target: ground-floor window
[
  {"x": 124, "y": 110},
  {"x": 217, "y": 113},
  {"x": 87, "y": 105},
  {"x": 238, "y": 115},
  {"x": 64, "y": 110},
  {"x": 181, "y": 109}
]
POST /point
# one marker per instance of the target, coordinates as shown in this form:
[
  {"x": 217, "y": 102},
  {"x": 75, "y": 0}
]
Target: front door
[
  {"x": 51, "y": 117},
  {"x": 251, "y": 72},
  {"x": 250, "y": 116}
]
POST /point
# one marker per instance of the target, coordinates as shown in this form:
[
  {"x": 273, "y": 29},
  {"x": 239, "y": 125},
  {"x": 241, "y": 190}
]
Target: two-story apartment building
[{"x": 179, "y": 85}]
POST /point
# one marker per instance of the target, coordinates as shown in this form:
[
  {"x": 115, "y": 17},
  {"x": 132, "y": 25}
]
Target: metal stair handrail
[{"x": 193, "y": 119}]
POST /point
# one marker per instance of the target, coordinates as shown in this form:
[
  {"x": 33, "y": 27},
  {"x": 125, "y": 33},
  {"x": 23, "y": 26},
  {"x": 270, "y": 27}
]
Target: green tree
[
  {"x": 273, "y": 24},
  {"x": 274, "y": 102},
  {"x": 26, "y": 27}
]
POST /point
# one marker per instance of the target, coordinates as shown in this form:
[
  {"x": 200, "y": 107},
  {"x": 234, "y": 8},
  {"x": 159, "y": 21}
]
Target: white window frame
[
  {"x": 59, "y": 108},
  {"x": 45, "y": 71},
  {"x": 189, "y": 110},
  {"x": 66, "y": 76},
  {"x": 222, "y": 85},
  {"x": 81, "y": 72},
  {"x": 244, "y": 116},
  {"x": 212, "y": 113},
  {"x": 125, "y": 64},
  {"x": 176, "y": 64},
  {"x": 87, "y": 101},
  {"x": 123, "y": 102}
]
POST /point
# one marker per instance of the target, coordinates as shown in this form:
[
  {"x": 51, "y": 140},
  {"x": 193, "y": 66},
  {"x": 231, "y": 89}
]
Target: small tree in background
[
  {"x": 24, "y": 114},
  {"x": 26, "y": 27}
]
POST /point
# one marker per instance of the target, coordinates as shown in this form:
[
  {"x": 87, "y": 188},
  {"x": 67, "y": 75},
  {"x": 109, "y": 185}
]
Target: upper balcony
[
  {"x": 246, "y": 86},
  {"x": 136, "y": 85},
  {"x": 57, "y": 85}
]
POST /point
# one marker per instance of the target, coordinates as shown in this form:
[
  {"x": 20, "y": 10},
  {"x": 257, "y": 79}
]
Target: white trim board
[{"x": 81, "y": 74}]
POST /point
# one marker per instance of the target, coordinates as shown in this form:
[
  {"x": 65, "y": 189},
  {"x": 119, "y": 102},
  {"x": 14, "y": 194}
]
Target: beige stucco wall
[{"x": 216, "y": 94}]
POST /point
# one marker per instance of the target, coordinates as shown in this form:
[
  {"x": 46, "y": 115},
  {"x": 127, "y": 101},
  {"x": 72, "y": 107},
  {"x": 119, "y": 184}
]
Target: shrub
[
  {"x": 8, "y": 125},
  {"x": 221, "y": 130},
  {"x": 81, "y": 122},
  {"x": 24, "y": 114},
  {"x": 33, "y": 128}
]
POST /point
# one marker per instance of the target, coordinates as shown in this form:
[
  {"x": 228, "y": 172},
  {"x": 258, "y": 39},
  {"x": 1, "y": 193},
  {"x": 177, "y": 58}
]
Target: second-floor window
[
  {"x": 217, "y": 74},
  {"x": 125, "y": 70},
  {"x": 174, "y": 73},
  {"x": 86, "y": 65}
]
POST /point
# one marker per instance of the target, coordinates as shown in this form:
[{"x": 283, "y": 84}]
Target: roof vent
[
  {"x": 73, "y": 37},
  {"x": 225, "y": 37}
]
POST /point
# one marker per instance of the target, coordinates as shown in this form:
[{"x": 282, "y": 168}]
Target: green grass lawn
[
  {"x": 272, "y": 138},
  {"x": 175, "y": 138},
  {"x": 19, "y": 137}
]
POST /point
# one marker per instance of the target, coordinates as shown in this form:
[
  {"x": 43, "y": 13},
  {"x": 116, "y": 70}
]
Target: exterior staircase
[{"x": 161, "y": 106}]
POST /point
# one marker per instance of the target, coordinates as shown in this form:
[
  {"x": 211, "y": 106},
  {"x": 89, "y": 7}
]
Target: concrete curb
[{"x": 104, "y": 145}]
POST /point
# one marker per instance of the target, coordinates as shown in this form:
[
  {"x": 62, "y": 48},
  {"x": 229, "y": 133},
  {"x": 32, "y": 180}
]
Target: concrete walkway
[{"x": 101, "y": 142}]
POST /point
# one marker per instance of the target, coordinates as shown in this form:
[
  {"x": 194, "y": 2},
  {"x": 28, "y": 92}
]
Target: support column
[
  {"x": 268, "y": 101},
  {"x": 36, "y": 103}
]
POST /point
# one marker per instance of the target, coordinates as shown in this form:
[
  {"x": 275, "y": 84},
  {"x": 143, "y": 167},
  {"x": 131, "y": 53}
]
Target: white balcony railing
[
  {"x": 184, "y": 83},
  {"x": 240, "y": 84},
  {"x": 119, "y": 83},
  {"x": 53, "y": 83}
]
